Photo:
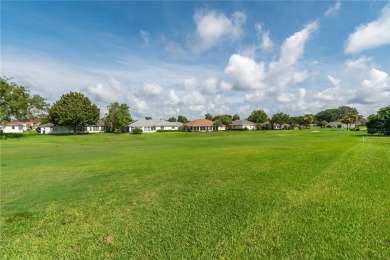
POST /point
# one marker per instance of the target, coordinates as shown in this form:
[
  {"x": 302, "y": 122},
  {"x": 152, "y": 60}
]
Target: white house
[
  {"x": 243, "y": 124},
  {"x": 54, "y": 129},
  {"x": 149, "y": 125},
  {"x": 17, "y": 126},
  {"x": 99, "y": 127},
  {"x": 339, "y": 124},
  {"x": 50, "y": 128},
  {"x": 13, "y": 128}
]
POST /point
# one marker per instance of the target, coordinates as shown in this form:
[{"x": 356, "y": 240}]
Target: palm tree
[
  {"x": 309, "y": 118},
  {"x": 353, "y": 118},
  {"x": 218, "y": 123}
]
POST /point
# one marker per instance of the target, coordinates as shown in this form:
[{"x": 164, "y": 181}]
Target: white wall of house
[
  {"x": 202, "y": 128},
  {"x": 240, "y": 127},
  {"x": 55, "y": 130},
  {"x": 94, "y": 129},
  {"x": 13, "y": 129}
]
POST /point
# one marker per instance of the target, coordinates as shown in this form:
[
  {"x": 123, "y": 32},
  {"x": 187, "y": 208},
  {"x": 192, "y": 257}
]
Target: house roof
[
  {"x": 100, "y": 122},
  {"x": 242, "y": 122},
  {"x": 200, "y": 122},
  {"x": 48, "y": 124},
  {"x": 19, "y": 122},
  {"x": 153, "y": 122}
]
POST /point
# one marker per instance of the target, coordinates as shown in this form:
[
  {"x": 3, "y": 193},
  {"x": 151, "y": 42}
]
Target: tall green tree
[
  {"x": 16, "y": 102},
  {"x": 236, "y": 117},
  {"x": 208, "y": 116},
  {"x": 280, "y": 119},
  {"x": 74, "y": 111},
  {"x": 182, "y": 119},
  {"x": 335, "y": 114},
  {"x": 225, "y": 119},
  {"x": 172, "y": 119},
  {"x": 117, "y": 117},
  {"x": 380, "y": 122},
  {"x": 258, "y": 116}
]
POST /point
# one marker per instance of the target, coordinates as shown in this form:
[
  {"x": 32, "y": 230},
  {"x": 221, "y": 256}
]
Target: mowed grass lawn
[{"x": 318, "y": 193}]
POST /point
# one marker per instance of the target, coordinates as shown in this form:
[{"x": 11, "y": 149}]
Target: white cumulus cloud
[
  {"x": 213, "y": 27},
  {"x": 371, "y": 35},
  {"x": 245, "y": 72}
]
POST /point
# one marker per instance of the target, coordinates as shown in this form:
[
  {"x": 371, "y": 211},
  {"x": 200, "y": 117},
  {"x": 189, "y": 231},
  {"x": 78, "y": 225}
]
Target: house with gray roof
[
  {"x": 149, "y": 125},
  {"x": 243, "y": 124}
]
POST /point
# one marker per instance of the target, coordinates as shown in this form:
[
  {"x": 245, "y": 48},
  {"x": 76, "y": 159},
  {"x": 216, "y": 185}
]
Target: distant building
[{"x": 149, "y": 125}]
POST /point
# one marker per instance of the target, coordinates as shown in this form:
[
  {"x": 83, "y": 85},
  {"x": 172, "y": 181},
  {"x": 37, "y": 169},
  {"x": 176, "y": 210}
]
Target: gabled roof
[
  {"x": 200, "y": 122},
  {"x": 243, "y": 122},
  {"x": 100, "y": 122},
  {"x": 162, "y": 122},
  {"x": 153, "y": 122}
]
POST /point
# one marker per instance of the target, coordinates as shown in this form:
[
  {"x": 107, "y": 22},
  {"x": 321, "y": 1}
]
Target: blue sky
[{"x": 173, "y": 58}]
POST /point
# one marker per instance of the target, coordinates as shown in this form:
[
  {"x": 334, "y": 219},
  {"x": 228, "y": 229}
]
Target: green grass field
[{"x": 318, "y": 193}]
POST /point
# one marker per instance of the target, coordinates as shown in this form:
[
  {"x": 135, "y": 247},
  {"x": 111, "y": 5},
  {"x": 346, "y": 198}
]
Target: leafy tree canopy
[
  {"x": 380, "y": 122},
  {"x": 16, "y": 103},
  {"x": 224, "y": 119},
  {"x": 309, "y": 119},
  {"x": 281, "y": 118},
  {"x": 74, "y": 111},
  {"x": 172, "y": 119},
  {"x": 182, "y": 119},
  {"x": 117, "y": 117},
  {"x": 258, "y": 116},
  {"x": 236, "y": 117},
  {"x": 208, "y": 116},
  {"x": 335, "y": 114}
]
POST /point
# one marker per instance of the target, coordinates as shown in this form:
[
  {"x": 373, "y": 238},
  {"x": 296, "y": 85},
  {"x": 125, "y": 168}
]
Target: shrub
[
  {"x": 38, "y": 129},
  {"x": 185, "y": 128},
  {"x": 136, "y": 131},
  {"x": 245, "y": 129}
]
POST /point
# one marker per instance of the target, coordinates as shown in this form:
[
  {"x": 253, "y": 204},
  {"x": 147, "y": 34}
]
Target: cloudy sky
[{"x": 173, "y": 58}]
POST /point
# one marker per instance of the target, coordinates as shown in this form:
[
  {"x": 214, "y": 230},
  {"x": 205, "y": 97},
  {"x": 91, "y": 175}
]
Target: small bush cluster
[
  {"x": 185, "y": 128},
  {"x": 136, "y": 131}
]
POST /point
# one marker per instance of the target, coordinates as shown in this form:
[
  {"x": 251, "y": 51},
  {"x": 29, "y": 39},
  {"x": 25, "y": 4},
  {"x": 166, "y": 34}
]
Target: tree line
[{"x": 76, "y": 111}]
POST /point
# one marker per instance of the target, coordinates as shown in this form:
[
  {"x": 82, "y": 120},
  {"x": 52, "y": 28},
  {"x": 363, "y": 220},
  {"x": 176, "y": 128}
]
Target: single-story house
[
  {"x": 17, "y": 126},
  {"x": 243, "y": 124},
  {"x": 202, "y": 125},
  {"x": 339, "y": 125},
  {"x": 99, "y": 127},
  {"x": 281, "y": 126},
  {"x": 50, "y": 128},
  {"x": 334, "y": 124},
  {"x": 149, "y": 125}
]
